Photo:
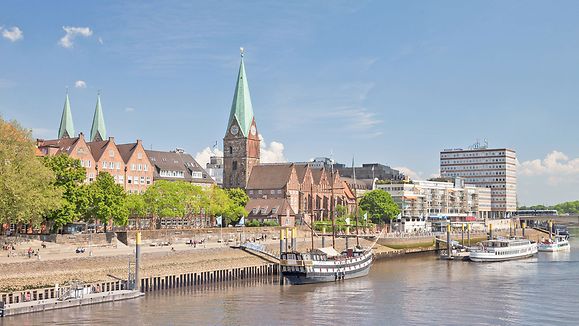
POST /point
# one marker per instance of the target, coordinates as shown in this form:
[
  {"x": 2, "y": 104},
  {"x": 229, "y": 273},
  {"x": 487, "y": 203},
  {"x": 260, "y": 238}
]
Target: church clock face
[
  {"x": 234, "y": 129},
  {"x": 253, "y": 130}
]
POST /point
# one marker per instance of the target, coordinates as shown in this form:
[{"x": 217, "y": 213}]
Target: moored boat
[
  {"x": 325, "y": 265},
  {"x": 502, "y": 250},
  {"x": 551, "y": 245}
]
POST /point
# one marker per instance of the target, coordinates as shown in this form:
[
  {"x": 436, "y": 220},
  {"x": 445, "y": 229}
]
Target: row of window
[
  {"x": 111, "y": 165},
  {"x": 136, "y": 180},
  {"x": 478, "y": 160},
  {"x": 139, "y": 167},
  {"x": 260, "y": 192},
  {"x": 476, "y": 154},
  {"x": 172, "y": 174},
  {"x": 474, "y": 167}
]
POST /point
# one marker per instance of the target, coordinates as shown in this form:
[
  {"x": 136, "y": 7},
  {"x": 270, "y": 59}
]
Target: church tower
[
  {"x": 66, "y": 129},
  {"x": 241, "y": 141},
  {"x": 98, "y": 131}
]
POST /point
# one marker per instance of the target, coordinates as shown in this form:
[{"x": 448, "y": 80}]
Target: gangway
[{"x": 258, "y": 248}]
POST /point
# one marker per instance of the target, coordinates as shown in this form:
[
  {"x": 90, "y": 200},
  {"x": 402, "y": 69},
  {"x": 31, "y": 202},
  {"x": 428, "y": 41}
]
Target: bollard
[
  {"x": 281, "y": 238},
  {"x": 490, "y": 231},
  {"x": 448, "y": 249},
  {"x": 462, "y": 234},
  {"x": 137, "y": 285},
  {"x": 287, "y": 239},
  {"x": 468, "y": 233},
  {"x": 294, "y": 239},
  {"x": 550, "y": 230},
  {"x": 523, "y": 228},
  {"x": 323, "y": 236}
]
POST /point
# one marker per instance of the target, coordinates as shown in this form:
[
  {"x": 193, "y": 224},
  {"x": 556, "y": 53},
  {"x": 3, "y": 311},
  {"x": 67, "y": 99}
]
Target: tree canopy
[
  {"x": 379, "y": 206},
  {"x": 570, "y": 207},
  {"x": 27, "y": 190},
  {"x": 107, "y": 201},
  {"x": 69, "y": 178}
]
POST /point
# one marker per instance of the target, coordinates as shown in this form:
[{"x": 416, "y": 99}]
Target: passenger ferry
[
  {"x": 551, "y": 245},
  {"x": 325, "y": 265},
  {"x": 503, "y": 249}
]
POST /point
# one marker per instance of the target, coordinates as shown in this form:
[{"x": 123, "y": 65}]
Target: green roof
[
  {"x": 66, "y": 129},
  {"x": 241, "y": 108},
  {"x": 98, "y": 131}
]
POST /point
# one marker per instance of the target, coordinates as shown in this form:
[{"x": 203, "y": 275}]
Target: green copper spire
[
  {"x": 241, "y": 109},
  {"x": 66, "y": 129},
  {"x": 98, "y": 132}
]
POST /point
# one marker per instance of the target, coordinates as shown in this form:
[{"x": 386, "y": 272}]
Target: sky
[{"x": 393, "y": 82}]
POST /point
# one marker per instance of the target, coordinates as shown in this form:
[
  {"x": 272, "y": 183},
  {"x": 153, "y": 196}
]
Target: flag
[
  {"x": 241, "y": 221},
  {"x": 219, "y": 220},
  {"x": 365, "y": 216},
  {"x": 348, "y": 221}
]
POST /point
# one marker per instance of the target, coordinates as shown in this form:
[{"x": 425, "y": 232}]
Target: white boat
[
  {"x": 551, "y": 245},
  {"x": 502, "y": 250}
]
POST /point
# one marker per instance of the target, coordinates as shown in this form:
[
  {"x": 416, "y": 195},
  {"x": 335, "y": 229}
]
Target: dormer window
[{"x": 111, "y": 153}]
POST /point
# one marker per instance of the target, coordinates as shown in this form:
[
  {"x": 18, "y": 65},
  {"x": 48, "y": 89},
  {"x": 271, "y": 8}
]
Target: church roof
[
  {"x": 270, "y": 176},
  {"x": 241, "y": 108},
  {"x": 301, "y": 170},
  {"x": 66, "y": 129},
  {"x": 317, "y": 175},
  {"x": 98, "y": 132}
]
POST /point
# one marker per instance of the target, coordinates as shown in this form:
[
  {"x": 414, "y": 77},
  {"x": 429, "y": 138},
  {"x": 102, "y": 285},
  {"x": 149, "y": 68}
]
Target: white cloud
[
  {"x": 413, "y": 175},
  {"x": 71, "y": 32},
  {"x": 272, "y": 153},
  {"x": 203, "y": 157},
  {"x": 129, "y": 109},
  {"x": 80, "y": 84},
  {"x": 100, "y": 39},
  {"x": 556, "y": 167},
  {"x": 13, "y": 33}
]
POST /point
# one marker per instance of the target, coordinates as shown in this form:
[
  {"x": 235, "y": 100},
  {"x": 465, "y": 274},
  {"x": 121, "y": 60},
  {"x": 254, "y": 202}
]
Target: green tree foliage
[
  {"x": 27, "y": 190},
  {"x": 166, "y": 198},
  {"x": 379, "y": 206},
  {"x": 135, "y": 205},
  {"x": 69, "y": 177},
  {"x": 107, "y": 201},
  {"x": 570, "y": 207},
  {"x": 238, "y": 196}
]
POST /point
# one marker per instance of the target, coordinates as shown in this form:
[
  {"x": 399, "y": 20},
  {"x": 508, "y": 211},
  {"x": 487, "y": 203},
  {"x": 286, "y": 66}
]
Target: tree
[
  {"x": 27, "y": 191},
  {"x": 379, "y": 206},
  {"x": 69, "y": 177},
  {"x": 238, "y": 196},
  {"x": 107, "y": 201},
  {"x": 135, "y": 205}
]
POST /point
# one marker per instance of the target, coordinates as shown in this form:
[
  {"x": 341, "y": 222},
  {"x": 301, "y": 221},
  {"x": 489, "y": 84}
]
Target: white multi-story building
[
  {"x": 215, "y": 169},
  {"x": 494, "y": 169},
  {"x": 431, "y": 198}
]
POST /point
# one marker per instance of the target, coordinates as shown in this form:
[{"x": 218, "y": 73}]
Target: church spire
[
  {"x": 66, "y": 129},
  {"x": 241, "y": 108},
  {"x": 98, "y": 132}
]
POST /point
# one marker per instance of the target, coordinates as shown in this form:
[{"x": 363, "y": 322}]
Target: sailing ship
[{"x": 327, "y": 264}]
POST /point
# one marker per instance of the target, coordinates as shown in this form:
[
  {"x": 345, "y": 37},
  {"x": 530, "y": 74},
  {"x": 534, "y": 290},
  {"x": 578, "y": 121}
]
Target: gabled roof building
[{"x": 178, "y": 166}]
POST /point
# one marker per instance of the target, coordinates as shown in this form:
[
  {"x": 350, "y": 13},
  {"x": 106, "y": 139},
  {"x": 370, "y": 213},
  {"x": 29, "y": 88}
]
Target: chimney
[
  {"x": 112, "y": 139},
  {"x": 139, "y": 142}
]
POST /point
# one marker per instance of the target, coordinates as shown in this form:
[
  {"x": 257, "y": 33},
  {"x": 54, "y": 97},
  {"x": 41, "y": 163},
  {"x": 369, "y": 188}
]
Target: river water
[{"x": 415, "y": 290}]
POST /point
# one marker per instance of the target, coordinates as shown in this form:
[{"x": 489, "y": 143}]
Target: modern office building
[
  {"x": 492, "y": 168},
  {"x": 423, "y": 199}
]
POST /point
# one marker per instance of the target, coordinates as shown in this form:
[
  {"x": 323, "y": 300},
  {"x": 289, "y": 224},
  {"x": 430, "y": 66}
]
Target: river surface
[{"x": 415, "y": 290}]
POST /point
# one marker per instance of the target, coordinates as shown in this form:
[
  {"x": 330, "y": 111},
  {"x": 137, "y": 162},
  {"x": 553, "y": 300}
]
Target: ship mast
[
  {"x": 312, "y": 212},
  {"x": 332, "y": 209},
  {"x": 356, "y": 207}
]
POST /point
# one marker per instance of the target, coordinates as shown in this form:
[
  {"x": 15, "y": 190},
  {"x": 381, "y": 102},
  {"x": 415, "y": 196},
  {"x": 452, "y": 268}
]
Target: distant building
[
  {"x": 178, "y": 166},
  {"x": 370, "y": 171},
  {"x": 138, "y": 169},
  {"x": 75, "y": 147},
  {"x": 215, "y": 169},
  {"x": 423, "y": 199},
  {"x": 271, "y": 209},
  {"x": 492, "y": 168}
]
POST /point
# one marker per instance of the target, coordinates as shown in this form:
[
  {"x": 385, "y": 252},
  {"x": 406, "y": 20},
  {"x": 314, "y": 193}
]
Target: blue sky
[{"x": 389, "y": 82}]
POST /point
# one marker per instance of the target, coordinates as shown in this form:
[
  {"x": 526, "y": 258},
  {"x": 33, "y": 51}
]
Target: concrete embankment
[{"x": 26, "y": 307}]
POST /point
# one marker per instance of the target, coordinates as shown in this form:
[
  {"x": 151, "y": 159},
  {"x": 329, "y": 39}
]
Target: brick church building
[{"x": 285, "y": 192}]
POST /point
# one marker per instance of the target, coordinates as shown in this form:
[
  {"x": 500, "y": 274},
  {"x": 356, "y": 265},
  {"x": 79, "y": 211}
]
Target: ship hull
[{"x": 331, "y": 273}]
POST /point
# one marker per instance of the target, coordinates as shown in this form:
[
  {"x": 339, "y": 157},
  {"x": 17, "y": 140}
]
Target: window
[
  {"x": 121, "y": 179},
  {"x": 88, "y": 163},
  {"x": 148, "y": 180},
  {"x": 111, "y": 165},
  {"x": 136, "y": 180},
  {"x": 139, "y": 167},
  {"x": 251, "y": 192},
  {"x": 142, "y": 180},
  {"x": 104, "y": 165},
  {"x": 196, "y": 174},
  {"x": 235, "y": 165},
  {"x": 272, "y": 192},
  {"x": 118, "y": 165},
  {"x": 230, "y": 150},
  {"x": 139, "y": 156},
  {"x": 279, "y": 191},
  {"x": 145, "y": 167},
  {"x": 132, "y": 167},
  {"x": 111, "y": 153},
  {"x": 259, "y": 192},
  {"x": 129, "y": 179},
  {"x": 82, "y": 163}
]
